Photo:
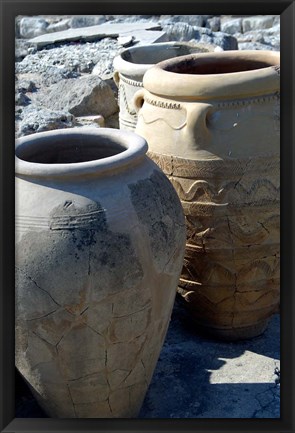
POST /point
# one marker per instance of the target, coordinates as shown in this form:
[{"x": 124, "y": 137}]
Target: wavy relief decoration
[
  {"x": 215, "y": 274},
  {"x": 123, "y": 97},
  {"x": 217, "y": 169},
  {"x": 200, "y": 190}
]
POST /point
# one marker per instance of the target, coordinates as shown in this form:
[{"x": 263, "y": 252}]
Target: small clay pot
[
  {"x": 131, "y": 64},
  {"x": 212, "y": 124},
  {"x": 100, "y": 238}
]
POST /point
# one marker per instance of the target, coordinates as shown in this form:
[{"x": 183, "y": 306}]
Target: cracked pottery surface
[
  {"x": 212, "y": 122},
  {"x": 100, "y": 237},
  {"x": 131, "y": 65}
]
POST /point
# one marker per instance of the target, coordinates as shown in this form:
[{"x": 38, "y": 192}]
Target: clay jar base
[{"x": 219, "y": 333}]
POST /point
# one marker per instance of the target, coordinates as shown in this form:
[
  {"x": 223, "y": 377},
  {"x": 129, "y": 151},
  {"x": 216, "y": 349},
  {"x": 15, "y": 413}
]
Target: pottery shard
[{"x": 81, "y": 97}]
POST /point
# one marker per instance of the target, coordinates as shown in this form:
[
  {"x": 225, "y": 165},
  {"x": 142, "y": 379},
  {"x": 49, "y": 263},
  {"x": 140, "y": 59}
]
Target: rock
[
  {"x": 97, "y": 121},
  {"x": 144, "y": 37},
  {"x": 112, "y": 121},
  {"x": 32, "y": 50},
  {"x": 79, "y": 21},
  {"x": 92, "y": 33},
  {"x": 232, "y": 26},
  {"x": 59, "y": 26},
  {"x": 25, "y": 86},
  {"x": 70, "y": 60},
  {"x": 180, "y": 31},
  {"x": 269, "y": 37},
  {"x": 17, "y": 34},
  {"x": 21, "y": 99},
  {"x": 186, "y": 32},
  {"x": 255, "y": 46},
  {"x": 36, "y": 119},
  {"x": 226, "y": 42},
  {"x": 81, "y": 97},
  {"x": 31, "y": 27},
  {"x": 257, "y": 22},
  {"x": 115, "y": 19},
  {"x": 21, "y": 49},
  {"x": 213, "y": 24},
  {"x": 125, "y": 41},
  {"x": 193, "y": 20}
]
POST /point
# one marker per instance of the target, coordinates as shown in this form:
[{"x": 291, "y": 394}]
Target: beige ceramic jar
[
  {"x": 100, "y": 238},
  {"x": 130, "y": 66},
  {"x": 212, "y": 124}
]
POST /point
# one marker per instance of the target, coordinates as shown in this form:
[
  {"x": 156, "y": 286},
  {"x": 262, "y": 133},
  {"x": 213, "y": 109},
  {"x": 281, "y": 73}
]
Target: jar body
[
  {"x": 97, "y": 264},
  {"x": 222, "y": 156},
  {"x": 131, "y": 65}
]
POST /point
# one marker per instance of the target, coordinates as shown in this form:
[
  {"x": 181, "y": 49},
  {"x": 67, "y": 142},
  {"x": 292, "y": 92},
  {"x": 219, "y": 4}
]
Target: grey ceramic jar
[{"x": 100, "y": 239}]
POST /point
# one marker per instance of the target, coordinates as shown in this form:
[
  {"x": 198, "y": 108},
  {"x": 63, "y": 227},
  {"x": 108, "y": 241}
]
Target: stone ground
[{"x": 197, "y": 377}]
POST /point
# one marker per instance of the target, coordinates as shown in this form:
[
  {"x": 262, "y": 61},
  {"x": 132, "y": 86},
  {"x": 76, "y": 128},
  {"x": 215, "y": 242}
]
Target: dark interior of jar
[
  {"x": 152, "y": 55},
  {"x": 212, "y": 65},
  {"x": 67, "y": 150}
]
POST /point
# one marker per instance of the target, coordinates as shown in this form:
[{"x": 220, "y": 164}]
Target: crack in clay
[
  {"x": 236, "y": 184},
  {"x": 96, "y": 332},
  {"x": 43, "y": 339},
  {"x": 134, "y": 312},
  {"x": 235, "y": 276},
  {"x": 108, "y": 400},
  {"x": 40, "y": 288},
  {"x": 84, "y": 311},
  {"x": 172, "y": 165},
  {"x": 170, "y": 258},
  {"x": 72, "y": 401},
  {"x": 41, "y": 317},
  {"x": 145, "y": 373},
  {"x": 83, "y": 377},
  {"x": 59, "y": 342},
  {"x": 89, "y": 261},
  {"x": 263, "y": 227}
]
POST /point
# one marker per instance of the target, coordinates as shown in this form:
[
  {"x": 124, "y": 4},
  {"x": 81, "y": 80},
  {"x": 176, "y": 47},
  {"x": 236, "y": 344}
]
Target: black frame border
[{"x": 9, "y": 9}]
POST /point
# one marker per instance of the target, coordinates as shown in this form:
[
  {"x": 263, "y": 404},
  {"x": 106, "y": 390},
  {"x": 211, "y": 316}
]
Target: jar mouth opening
[
  {"x": 216, "y": 65},
  {"x": 69, "y": 149},
  {"x": 68, "y": 152}
]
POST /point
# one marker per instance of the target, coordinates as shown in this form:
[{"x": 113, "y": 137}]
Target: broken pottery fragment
[
  {"x": 212, "y": 124},
  {"x": 100, "y": 238},
  {"x": 131, "y": 64}
]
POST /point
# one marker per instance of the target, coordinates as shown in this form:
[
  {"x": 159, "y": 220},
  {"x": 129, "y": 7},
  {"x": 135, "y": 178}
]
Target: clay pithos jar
[
  {"x": 100, "y": 238},
  {"x": 132, "y": 63},
  {"x": 212, "y": 124}
]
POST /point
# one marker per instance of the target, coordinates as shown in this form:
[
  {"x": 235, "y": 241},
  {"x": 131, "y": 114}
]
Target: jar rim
[
  {"x": 127, "y": 148},
  {"x": 123, "y": 65},
  {"x": 247, "y": 82}
]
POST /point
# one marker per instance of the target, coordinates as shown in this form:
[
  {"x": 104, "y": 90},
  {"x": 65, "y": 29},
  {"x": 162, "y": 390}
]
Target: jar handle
[
  {"x": 197, "y": 122},
  {"x": 116, "y": 78},
  {"x": 138, "y": 100}
]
